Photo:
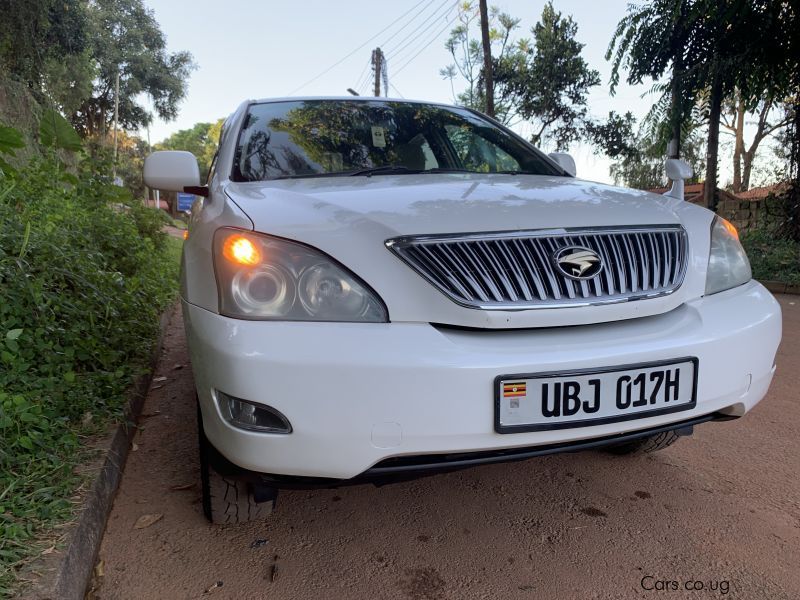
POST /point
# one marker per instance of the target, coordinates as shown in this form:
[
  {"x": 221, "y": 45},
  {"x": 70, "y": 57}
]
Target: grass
[
  {"x": 772, "y": 259},
  {"x": 85, "y": 273},
  {"x": 53, "y": 502}
]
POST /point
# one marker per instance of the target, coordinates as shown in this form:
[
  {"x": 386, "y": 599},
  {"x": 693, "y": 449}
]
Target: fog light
[{"x": 251, "y": 416}]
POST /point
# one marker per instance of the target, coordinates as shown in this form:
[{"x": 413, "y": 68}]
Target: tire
[
  {"x": 226, "y": 500},
  {"x": 646, "y": 445}
]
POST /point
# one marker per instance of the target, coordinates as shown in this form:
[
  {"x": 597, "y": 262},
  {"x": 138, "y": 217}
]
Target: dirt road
[{"x": 717, "y": 515}]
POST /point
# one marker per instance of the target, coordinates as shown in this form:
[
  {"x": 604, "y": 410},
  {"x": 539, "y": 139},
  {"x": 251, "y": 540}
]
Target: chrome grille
[{"x": 516, "y": 270}]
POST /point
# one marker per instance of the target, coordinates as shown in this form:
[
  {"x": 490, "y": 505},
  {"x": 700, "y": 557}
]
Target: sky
[{"x": 261, "y": 49}]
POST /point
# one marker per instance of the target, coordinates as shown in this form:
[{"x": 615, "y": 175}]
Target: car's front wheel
[
  {"x": 646, "y": 445},
  {"x": 226, "y": 500}
]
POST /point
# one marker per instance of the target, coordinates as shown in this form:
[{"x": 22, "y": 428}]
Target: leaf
[
  {"x": 14, "y": 334},
  {"x": 147, "y": 520},
  {"x": 10, "y": 139},
  {"x": 55, "y": 131},
  {"x": 6, "y": 169}
]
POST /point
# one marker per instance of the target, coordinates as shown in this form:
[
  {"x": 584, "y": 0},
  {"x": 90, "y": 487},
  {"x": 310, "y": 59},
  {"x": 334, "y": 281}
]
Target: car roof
[{"x": 350, "y": 99}]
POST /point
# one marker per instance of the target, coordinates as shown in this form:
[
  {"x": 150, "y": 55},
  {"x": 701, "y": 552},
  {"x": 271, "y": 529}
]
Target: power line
[
  {"x": 411, "y": 20},
  {"x": 363, "y": 77},
  {"x": 399, "y": 93},
  {"x": 415, "y": 35},
  {"x": 341, "y": 60},
  {"x": 363, "y": 80},
  {"x": 425, "y": 47}
]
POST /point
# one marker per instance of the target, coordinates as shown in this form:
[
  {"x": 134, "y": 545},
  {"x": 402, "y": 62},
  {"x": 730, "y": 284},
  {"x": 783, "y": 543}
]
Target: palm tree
[
  {"x": 713, "y": 47},
  {"x": 652, "y": 39}
]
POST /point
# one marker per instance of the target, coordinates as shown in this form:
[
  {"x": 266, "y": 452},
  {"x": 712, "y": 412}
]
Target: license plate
[{"x": 560, "y": 400}]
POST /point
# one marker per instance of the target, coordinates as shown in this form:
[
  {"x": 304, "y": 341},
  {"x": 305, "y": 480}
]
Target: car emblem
[{"x": 577, "y": 262}]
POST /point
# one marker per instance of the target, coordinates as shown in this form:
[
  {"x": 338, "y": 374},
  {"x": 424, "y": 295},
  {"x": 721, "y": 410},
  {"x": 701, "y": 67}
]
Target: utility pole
[
  {"x": 116, "y": 120},
  {"x": 378, "y": 68},
  {"x": 487, "y": 59}
]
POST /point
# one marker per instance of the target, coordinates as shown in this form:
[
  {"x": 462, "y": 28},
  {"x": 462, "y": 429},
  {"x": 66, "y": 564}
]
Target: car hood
[
  {"x": 447, "y": 203},
  {"x": 350, "y": 218}
]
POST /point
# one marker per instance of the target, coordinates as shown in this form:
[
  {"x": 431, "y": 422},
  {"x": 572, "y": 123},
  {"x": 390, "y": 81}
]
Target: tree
[
  {"x": 552, "y": 82},
  {"x": 738, "y": 56},
  {"x": 131, "y": 153},
  {"x": 639, "y": 153},
  {"x": 652, "y": 39},
  {"x": 713, "y": 47},
  {"x": 644, "y": 168},
  {"x": 201, "y": 140},
  {"x": 545, "y": 81},
  {"x": 34, "y": 33},
  {"x": 127, "y": 41},
  {"x": 770, "y": 118},
  {"x": 614, "y": 137},
  {"x": 466, "y": 48}
]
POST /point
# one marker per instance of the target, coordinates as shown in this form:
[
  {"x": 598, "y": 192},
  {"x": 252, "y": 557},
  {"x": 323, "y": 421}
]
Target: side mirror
[
  {"x": 677, "y": 171},
  {"x": 565, "y": 161},
  {"x": 171, "y": 170}
]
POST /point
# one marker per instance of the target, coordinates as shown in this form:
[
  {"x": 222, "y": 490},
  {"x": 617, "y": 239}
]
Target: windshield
[{"x": 317, "y": 138}]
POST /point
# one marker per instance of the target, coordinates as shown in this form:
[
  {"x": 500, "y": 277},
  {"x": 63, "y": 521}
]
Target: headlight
[
  {"x": 262, "y": 277},
  {"x": 727, "y": 264}
]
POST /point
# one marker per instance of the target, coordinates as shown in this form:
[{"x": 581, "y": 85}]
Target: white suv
[{"x": 377, "y": 289}]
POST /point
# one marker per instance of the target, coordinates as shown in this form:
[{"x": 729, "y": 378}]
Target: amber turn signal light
[
  {"x": 729, "y": 227},
  {"x": 240, "y": 250}
]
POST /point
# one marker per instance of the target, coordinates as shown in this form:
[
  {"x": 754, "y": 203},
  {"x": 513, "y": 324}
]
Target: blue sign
[{"x": 185, "y": 202}]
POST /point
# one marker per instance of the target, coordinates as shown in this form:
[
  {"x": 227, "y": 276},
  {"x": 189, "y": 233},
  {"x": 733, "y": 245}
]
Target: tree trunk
[
  {"x": 487, "y": 59},
  {"x": 747, "y": 159},
  {"x": 710, "y": 187},
  {"x": 676, "y": 116},
  {"x": 738, "y": 147}
]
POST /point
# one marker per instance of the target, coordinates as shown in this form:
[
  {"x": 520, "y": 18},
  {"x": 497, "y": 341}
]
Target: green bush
[
  {"x": 84, "y": 274},
  {"x": 772, "y": 257}
]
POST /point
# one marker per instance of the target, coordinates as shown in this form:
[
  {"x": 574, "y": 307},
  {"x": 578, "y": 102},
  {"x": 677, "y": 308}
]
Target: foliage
[
  {"x": 201, "y": 140},
  {"x": 131, "y": 152},
  {"x": 56, "y": 132},
  {"x": 771, "y": 118},
  {"x": 466, "y": 48},
  {"x": 84, "y": 274},
  {"x": 774, "y": 259},
  {"x": 11, "y": 140},
  {"x": 714, "y": 48},
  {"x": 125, "y": 40},
  {"x": 36, "y": 35},
  {"x": 552, "y": 81},
  {"x": 614, "y": 137},
  {"x": 642, "y": 167},
  {"x": 544, "y": 82}
]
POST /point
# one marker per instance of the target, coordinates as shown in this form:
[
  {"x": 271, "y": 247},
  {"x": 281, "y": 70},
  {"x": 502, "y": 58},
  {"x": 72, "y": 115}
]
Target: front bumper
[{"x": 357, "y": 394}]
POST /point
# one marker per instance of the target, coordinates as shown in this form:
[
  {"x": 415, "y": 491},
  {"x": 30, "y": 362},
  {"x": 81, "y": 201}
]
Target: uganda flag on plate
[{"x": 514, "y": 389}]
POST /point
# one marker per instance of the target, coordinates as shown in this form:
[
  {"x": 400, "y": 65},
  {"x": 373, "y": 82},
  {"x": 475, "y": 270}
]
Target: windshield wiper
[
  {"x": 400, "y": 169},
  {"x": 385, "y": 169},
  {"x": 307, "y": 176}
]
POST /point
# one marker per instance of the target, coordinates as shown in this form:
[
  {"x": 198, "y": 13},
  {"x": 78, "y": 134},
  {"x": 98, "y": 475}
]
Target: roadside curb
[
  {"x": 779, "y": 287},
  {"x": 67, "y": 573}
]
